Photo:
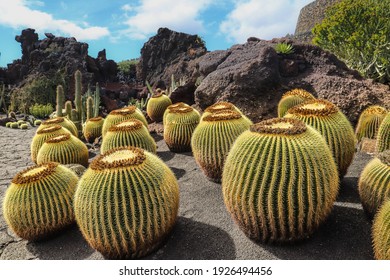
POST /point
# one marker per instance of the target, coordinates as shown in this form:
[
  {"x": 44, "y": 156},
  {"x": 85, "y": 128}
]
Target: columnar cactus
[
  {"x": 65, "y": 149},
  {"x": 279, "y": 181},
  {"x": 333, "y": 125},
  {"x": 212, "y": 139},
  {"x": 369, "y": 121},
  {"x": 179, "y": 125},
  {"x": 89, "y": 107},
  {"x": 130, "y": 132},
  {"x": 156, "y": 106},
  {"x": 292, "y": 98},
  {"x": 68, "y": 109},
  {"x": 39, "y": 201},
  {"x": 383, "y": 139},
  {"x": 374, "y": 183},
  {"x": 126, "y": 203},
  {"x": 41, "y": 136},
  {"x": 381, "y": 233},
  {"x": 60, "y": 100},
  {"x": 93, "y": 129},
  {"x": 64, "y": 122},
  {"x": 119, "y": 115}
]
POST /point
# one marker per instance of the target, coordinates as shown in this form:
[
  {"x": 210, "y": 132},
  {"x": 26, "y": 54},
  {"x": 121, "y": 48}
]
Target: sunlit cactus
[
  {"x": 93, "y": 129},
  {"x": 383, "y": 139},
  {"x": 221, "y": 106},
  {"x": 369, "y": 121},
  {"x": 292, "y": 98},
  {"x": 173, "y": 106},
  {"x": 126, "y": 203},
  {"x": 156, "y": 105},
  {"x": 279, "y": 181},
  {"x": 64, "y": 122},
  {"x": 381, "y": 233}
]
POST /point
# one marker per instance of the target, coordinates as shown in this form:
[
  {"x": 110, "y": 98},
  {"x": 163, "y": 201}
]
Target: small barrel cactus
[
  {"x": 292, "y": 98},
  {"x": 37, "y": 122},
  {"x": 39, "y": 201},
  {"x": 23, "y": 126},
  {"x": 8, "y": 124},
  {"x": 126, "y": 203},
  {"x": 156, "y": 106},
  {"x": 381, "y": 232},
  {"x": 65, "y": 149},
  {"x": 279, "y": 181},
  {"x": 383, "y": 139},
  {"x": 221, "y": 106},
  {"x": 119, "y": 115},
  {"x": 14, "y": 125},
  {"x": 369, "y": 121},
  {"x": 179, "y": 125},
  {"x": 333, "y": 125},
  {"x": 93, "y": 129},
  {"x": 130, "y": 132},
  {"x": 374, "y": 183},
  {"x": 212, "y": 139},
  {"x": 64, "y": 122}
]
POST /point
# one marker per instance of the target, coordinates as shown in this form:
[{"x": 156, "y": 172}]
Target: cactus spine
[
  {"x": 64, "y": 122},
  {"x": 369, "y": 121},
  {"x": 381, "y": 233},
  {"x": 126, "y": 203},
  {"x": 130, "y": 132},
  {"x": 292, "y": 98},
  {"x": 383, "y": 139},
  {"x": 279, "y": 181},
  {"x": 39, "y": 201},
  {"x": 212, "y": 139},
  {"x": 60, "y": 100},
  {"x": 156, "y": 105},
  {"x": 93, "y": 129},
  {"x": 333, "y": 125}
]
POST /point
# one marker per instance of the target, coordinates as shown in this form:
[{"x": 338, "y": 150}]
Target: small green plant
[
  {"x": 41, "y": 111},
  {"x": 140, "y": 104},
  {"x": 284, "y": 48}
]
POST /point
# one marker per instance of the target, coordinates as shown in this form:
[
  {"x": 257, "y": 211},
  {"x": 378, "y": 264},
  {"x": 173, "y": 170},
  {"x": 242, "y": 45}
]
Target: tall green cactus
[
  {"x": 77, "y": 118},
  {"x": 68, "y": 109},
  {"x": 279, "y": 181},
  {"x": 96, "y": 100},
  {"x": 369, "y": 121},
  {"x": 89, "y": 108},
  {"x": 126, "y": 203},
  {"x": 383, "y": 139},
  {"x": 292, "y": 98},
  {"x": 39, "y": 201},
  {"x": 381, "y": 233},
  {"x": 60, "y": 100}
]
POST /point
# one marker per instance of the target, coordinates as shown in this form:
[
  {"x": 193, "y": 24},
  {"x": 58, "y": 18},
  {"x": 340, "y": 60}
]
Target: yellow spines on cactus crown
[
  {"x": 157, "y": 105},
  {"x": 181, "y": 115},
  {"x": 279, "y": 181},
  {"x": 93, "y": 128},
  {"x": 130, "y": 132},
  {"x": 212, "y": 139},
  {"x": 119, "y": 115},
  {"x": 292, "y": 98},
  {"x": 39, "y": 201},
  {"x": 64, "y": 122},
  {"x": 173, "y": 106},
  {"x": 381, "y": 233},
  {"x": 126, "y": 203},
  {"x": 42, "y": 135},
  {"x": 369, "y": 121},
  {"x": 374, "y": 183},
  {"x": 64, "y": 148},
  {"x": 219, "y": 106},
  {"x": 331, "y": 123},
  {"x": 383, "y": 139}
]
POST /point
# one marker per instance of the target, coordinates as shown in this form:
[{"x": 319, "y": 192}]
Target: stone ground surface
[{"x": 204, "y": 229}]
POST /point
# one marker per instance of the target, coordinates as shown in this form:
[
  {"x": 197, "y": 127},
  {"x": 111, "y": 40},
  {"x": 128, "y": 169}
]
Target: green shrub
[
  {"x": 284, "y": 48},
  {"x": 358, "y": 32},
  {"x": 41, "y": 111}
]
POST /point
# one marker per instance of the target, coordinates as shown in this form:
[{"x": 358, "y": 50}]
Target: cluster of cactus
[
  {"x": 19, "y": 124},
  {"x": 180, "y": 121},
  {"x": 39, "y": 201},
  {"x": 381, "y": 233},
  {"x": 93, "y": 128},
  {"x": 131, "y": 132},
  {"x": 333, "y": 125},
  {"x": 383, "y": 138},
  {"x": 279, "y": 181},
  {"x": 157, "y": 105},
  {"x": 64, "y": 122},
  {"x": 212, "y": 139},
  {"x": 369, "y": 121},
  {"x": 126, "y": 203},
  {"x": 292, "y": 98}
]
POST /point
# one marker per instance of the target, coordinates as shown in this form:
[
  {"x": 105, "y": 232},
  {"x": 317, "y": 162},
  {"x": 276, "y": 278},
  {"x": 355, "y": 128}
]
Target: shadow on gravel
[
  {"x": 166, "y": 155},
  {"x": 156, "y": 137},
  {"x": 67, "y": 245},
  {"x": 192, "y": 240},
  {"x": 178, "y": 172},
  {"x": 349, "y": 190}
]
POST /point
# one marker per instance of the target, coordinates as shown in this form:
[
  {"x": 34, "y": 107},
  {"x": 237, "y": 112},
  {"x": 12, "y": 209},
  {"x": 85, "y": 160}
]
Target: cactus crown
[
  {"x": 53, "y": 121},
  {"x": 180, "y": 110},
  {"x": 119, "y": 157},
  {"x": 96, "y": 119},
  {"x": 49, "y": 129},
  {"x": 385, "y": 157},
  {"x": 298, "y": 92},
  {"x": 222, "y": 115},
  {"x": 223, "y": 105},
  {"x": 279, "y": 126},
  {"x": 178, "y": 105},
  {"x": 35, "y": 173},
  {"x": 124, "y": 111},
  {"x": 317, "y": 107},
  {"x": 127, "y": 125},
  {"x": 59, "y": 138},
  {"x": 375, "y": 110}
]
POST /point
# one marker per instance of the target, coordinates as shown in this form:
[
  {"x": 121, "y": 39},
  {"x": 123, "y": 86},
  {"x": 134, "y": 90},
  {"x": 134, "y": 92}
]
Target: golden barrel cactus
[
  {"x": 279, "y": 181},
  {"x": 173, "y": 106},
  {"x": 381, "y": 233},
  {"x": 383, "y": 139},
  {"x": 212, "y": 139},
  {"x": 126, "y": 203},
  {"x": 369, "y": 121},
  {"x": 39, "y": 201},
  {"x": 156, "y": 106},
  {"x": 333, "y": 125},
  {"x": 93, "y": 129},
  {"x": 221, "y": 106},
  {"x": 292, "y": 98},
  {"x": 64, "y": 122}
]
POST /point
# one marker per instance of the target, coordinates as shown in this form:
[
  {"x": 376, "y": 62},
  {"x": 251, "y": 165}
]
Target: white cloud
[
  {"x": 261, "y": 18},
  {"x": 180, "y": 15},
  {"x": 17, "y": 14},
  {"x": 127, "y": 8}
]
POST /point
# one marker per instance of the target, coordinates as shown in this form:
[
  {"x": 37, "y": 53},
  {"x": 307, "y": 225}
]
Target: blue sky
[{"x": 123, "y": 26}]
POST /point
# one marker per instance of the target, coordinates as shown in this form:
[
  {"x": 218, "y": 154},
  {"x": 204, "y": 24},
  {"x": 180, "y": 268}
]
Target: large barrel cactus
[
  {"x": 156, "y": 106},
  {"x": 179, "y": 125},
  {"x": 212, "y": 139},
  {"x": 128, "y": 133},
  {"x": 279, "y": 181},
  {"x": 119, "y": 115},
  {"x": 369, "y": 121},
  {"x": 221, "y": 106},
  {"x": 64, "y": 122},
  {"x": 174, "y": 106},
  {"x": 381, "y": 233},
  {"x": 42, "y": 135},
  {"x": 39, "y": 201},
  {"x": 383, "y": 139},
  {"x": 333, "y": 125},
  {"x": 93, "y": 129},
  {"x": 126, "y": 202},
  {"x": 64, "y": 148},
  {"x": 374, "y": 183},
  {"x": 292, "y": 98}
]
